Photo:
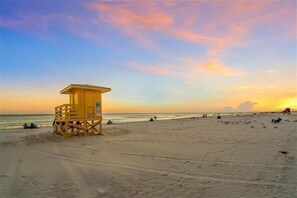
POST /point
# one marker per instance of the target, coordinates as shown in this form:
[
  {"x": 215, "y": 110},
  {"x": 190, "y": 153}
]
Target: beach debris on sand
[
  {"x": 284, "y": 152},
  {"x": 276, "y": 121}
]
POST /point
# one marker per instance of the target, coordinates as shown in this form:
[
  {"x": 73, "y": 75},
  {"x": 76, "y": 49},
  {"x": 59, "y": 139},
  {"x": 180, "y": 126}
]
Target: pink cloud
[
  {"x": 190, "y": 36},
  {"x": 141, "y": 25},
  {"x": 216, "y": 26},
  {"x": 229, "y": 25},
  {"x": 220, "y": 26},
  {"x": 189, "y": 70},
  {"x": 215, "y": 67},
  {"x": 123, "y": 17},
  {"x": 132, "y": 23}
]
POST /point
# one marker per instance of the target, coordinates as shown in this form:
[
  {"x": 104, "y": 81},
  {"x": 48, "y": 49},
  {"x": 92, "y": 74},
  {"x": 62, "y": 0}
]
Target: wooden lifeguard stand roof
[{"x": 69, "y": 88}]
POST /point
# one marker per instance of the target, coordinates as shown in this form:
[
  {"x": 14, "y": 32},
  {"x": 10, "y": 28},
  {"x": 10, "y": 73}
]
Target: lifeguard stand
[{"x": 83, "y": 114}]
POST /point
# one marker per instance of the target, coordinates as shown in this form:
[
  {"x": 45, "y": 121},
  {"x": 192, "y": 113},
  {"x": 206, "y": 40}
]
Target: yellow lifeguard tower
[{"x": 83, "y": 114}]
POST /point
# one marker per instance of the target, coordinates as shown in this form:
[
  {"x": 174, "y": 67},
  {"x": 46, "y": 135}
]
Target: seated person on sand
[
  {"x": 26, "y": 126},
  {"x": 33, "y": 126}
]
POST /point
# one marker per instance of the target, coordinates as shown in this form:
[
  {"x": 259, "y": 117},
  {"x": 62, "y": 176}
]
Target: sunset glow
[{"x": 157, "y": 56}]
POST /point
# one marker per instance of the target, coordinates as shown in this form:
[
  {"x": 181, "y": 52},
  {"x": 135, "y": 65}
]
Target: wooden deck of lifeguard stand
[{"x": 83, "y": 114}]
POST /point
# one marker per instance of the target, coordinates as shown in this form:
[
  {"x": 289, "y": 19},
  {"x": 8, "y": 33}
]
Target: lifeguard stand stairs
[{"x": 83, "y": 114}]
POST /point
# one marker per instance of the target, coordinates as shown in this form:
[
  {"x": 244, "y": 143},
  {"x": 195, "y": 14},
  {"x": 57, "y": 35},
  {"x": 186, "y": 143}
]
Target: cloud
[
  {"x": 243, "y": 107},
  {"x": 143, "y": 24},
  {"x": 110, "y": 14},
  {"x": 215, "y": 67},
  {"x": 246, "y": 106},
  {"x": 230, "y": 26},
  {"x": 211, "y": 67},
  {"x": 187, "y": 69},
  {"x": 132, "y": 23},
  {"x": 255, "y": 87}
]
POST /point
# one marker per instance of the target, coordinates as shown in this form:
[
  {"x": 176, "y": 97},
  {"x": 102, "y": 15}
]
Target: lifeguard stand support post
[{"x": 83, "y": 114}]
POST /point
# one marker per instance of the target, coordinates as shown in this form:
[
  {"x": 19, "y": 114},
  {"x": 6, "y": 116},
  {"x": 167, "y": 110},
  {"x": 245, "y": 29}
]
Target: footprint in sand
[
  {"x": 35, "y": 183},
  {"x": 101, "y": 191},
  {"x": 291, "y": 160}
]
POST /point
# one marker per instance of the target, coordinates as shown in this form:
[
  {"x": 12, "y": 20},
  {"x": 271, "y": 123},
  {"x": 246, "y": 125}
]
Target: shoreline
[{"x": 226, "y": 114}]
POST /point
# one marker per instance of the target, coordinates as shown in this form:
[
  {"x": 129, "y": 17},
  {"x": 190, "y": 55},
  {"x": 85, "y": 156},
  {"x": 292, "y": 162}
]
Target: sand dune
[{"x": 236, "y": 156}]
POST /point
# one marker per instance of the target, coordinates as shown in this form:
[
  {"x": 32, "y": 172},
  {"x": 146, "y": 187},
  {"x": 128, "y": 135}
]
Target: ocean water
[{"x": 17, "y": 121}]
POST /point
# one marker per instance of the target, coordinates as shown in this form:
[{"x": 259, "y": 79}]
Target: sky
[{"x": 156, "y": 56}]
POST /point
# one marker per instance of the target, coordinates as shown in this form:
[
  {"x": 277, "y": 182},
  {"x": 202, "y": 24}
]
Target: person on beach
[{"x": 26, "y": 126}]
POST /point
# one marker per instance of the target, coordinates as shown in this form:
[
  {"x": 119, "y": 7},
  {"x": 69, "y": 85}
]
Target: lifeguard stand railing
[{"x": 67, "y": 112}]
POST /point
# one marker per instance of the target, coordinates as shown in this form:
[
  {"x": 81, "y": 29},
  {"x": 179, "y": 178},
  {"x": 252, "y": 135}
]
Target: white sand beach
[{"x": 236, "y": 156}]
